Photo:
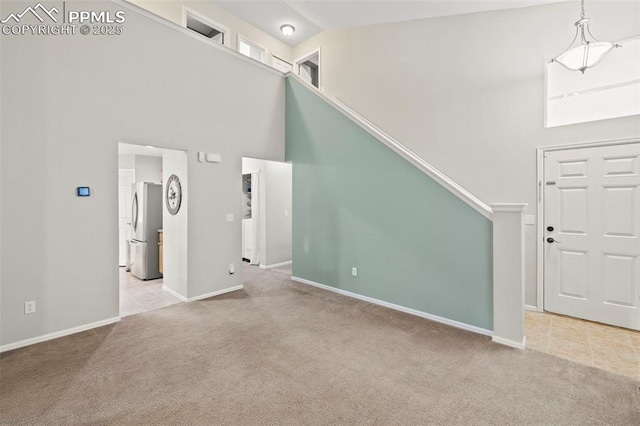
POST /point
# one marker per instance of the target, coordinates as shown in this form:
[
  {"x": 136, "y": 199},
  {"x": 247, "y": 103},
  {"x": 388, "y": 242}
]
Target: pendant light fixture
[{"x": 585, "y": 51}]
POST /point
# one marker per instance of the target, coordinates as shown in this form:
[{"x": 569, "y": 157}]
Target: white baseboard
[
  {"x": 276, "y": 265},
  {"x": 512, "y": 343},
  {"x": 174, "y": 293},
  {"x": 531, "y": 308},
  {"x": 404, "y": 309},
  {"x": 56, "y": 334},
  {"x": 215, "y": 293}
]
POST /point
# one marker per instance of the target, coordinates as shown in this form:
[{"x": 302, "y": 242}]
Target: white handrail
[{"x": 403, "y": 151}]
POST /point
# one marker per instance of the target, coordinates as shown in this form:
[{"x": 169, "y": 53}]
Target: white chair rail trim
[{"x": 403, "y": 151}]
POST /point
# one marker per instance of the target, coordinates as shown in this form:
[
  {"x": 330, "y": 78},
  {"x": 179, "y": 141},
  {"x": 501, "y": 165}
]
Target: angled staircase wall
[{"x": 417, "y": 243}]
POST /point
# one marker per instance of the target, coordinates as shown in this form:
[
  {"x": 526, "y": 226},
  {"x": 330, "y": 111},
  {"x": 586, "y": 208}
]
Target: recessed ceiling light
[{"x": 287, "y": 29}]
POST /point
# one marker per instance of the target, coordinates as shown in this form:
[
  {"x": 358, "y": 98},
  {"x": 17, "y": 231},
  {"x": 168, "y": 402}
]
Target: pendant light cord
[{"x": 582, "y": 13}]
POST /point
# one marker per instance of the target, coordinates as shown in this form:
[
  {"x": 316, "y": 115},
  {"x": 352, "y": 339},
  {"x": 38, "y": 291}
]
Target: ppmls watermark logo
[{"x": 59, "y": 20}]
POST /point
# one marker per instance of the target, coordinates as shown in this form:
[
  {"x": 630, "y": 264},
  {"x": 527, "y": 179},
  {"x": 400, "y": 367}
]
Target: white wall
[
  {"x": 127, "y": 161},
  {"x": 173, "y": 11},
  {"x": 148, "y": 169},
  {"x": 467, "y": 92},
  {"x": 66, "y": 103},
  {"x": 279, "y": 203},
  {"x": 275, "y": 199},
  {"x": 175, "y": 228}
]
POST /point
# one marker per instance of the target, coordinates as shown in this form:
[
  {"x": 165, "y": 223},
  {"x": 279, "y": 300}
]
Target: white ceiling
[{"x": 310, "y": 17}]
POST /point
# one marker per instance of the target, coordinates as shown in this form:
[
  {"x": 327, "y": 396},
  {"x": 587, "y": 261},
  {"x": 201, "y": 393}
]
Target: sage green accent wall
[{"x": 358, "y": 204}]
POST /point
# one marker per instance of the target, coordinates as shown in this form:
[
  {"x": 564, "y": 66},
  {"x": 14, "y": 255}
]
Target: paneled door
[
  {"x": 591, "y": 227},
  {"x": 126, "y": 179}
]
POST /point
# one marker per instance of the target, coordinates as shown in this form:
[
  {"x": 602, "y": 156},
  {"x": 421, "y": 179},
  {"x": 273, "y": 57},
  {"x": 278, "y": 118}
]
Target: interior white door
[
  {"x": 126, "y": 180},
  {"x": 592, "y": 244}
]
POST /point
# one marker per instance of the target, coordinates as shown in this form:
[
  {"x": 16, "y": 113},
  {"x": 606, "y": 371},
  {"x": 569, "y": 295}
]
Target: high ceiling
[{"x": 310, "y": 17}]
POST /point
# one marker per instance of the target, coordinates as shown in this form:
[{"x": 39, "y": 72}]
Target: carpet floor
[{"x": 282, "y": 353}]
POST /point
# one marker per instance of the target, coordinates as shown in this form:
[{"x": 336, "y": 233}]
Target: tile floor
[
  {"x": 602, "y": 346},
  {"x": 137, "y": 296}
]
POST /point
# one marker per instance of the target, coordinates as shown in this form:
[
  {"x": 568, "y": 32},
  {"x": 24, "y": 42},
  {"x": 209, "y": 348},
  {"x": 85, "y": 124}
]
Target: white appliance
[{"x": 146, "y": 219}]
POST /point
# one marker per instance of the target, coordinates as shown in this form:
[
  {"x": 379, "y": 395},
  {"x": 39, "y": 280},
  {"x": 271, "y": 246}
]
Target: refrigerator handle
[{"x": 134, "y": 210}]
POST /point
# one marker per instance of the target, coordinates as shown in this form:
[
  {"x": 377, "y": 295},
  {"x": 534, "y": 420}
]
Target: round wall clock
[{"x": 173, "y": 194}]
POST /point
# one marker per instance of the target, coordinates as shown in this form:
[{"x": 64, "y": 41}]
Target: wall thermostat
[{"x": 83, "y": 191}]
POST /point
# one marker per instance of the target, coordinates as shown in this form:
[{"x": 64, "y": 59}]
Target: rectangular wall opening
[
  {"x": 308, "y": 68},
  {"x": 204, "y": 27},
  {"x": 609, "y": 90},
  {"x": 251, "y": 49}
]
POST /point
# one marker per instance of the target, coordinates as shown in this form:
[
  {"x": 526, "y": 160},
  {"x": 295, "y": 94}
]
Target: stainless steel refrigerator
[{"x": 146, "y": 219}]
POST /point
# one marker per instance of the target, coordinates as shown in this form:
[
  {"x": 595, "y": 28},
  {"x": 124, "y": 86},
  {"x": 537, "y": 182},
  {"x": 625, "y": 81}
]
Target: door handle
[{"x": 551, "y": 240}]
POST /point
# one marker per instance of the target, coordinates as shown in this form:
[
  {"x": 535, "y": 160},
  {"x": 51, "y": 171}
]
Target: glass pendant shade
[
  {"x": 287, "y": 29},
  {"x": 585, "y": 51}
]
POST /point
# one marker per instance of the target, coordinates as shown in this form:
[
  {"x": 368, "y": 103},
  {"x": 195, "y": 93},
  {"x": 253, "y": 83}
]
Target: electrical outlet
[
  {"x": 529, "y": 219},
  {"x": 229, "y": 217},
  {"x": 354, "y": 272},
  {"x": 232, "y": 269},
  {"x": 30, "y": 307},
  {"x": 286, "y": 213}
]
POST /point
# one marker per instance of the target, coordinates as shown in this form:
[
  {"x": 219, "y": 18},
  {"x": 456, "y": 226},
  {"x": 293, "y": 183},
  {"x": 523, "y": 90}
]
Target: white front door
[
  {"x": 126, "y": 180},
  {"x": 591, "y": 227}
]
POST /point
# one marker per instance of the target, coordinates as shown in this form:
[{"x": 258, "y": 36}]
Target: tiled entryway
[
  {"x": 137, "y": 296},
  {"x": 602, "y": 346}
]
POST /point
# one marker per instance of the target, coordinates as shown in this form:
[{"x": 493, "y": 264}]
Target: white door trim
[
  {"x": 242, "y": 38},
  {"x": 133, "y": 173},
  {"x": 303, "y": 58},
  {"x": 226, "y": 34},
  {"x": 540, "y": 156}
]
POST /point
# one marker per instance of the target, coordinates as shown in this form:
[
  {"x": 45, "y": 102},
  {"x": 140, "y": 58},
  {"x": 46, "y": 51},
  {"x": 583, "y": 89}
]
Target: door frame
[
  {"x": 134, "y": 181},
  {"x": 304, "y": 58},
  {"x": 540, "y": 156}
]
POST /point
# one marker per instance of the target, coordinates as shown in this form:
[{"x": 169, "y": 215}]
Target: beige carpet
[{"x": 281, "y": 353}]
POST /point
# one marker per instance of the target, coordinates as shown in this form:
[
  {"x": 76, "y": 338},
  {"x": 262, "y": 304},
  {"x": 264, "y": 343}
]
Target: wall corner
[{"x": 508, "y": 274}]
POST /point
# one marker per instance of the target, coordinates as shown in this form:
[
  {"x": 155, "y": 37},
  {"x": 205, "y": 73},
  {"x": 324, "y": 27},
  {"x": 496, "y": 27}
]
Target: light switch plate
[{"x": 529, "y": 219}]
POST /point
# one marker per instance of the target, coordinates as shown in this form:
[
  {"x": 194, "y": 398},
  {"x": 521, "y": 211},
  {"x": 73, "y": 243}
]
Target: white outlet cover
[
  {"x": 232, "y": 268},
  {"x": 354, "y": 272},
  {"x": 529, "y": 219},
  {"x": 229, "y": 217}
]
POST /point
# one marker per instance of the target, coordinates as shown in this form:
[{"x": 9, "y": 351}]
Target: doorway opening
[
  {"x": 309, "y": 68},
  {"x": 267, "y": 215},
  {"x": 202, "y": 25},
  {"x": 147, "y": 252},
  {"x": 588, "y": 255}
]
